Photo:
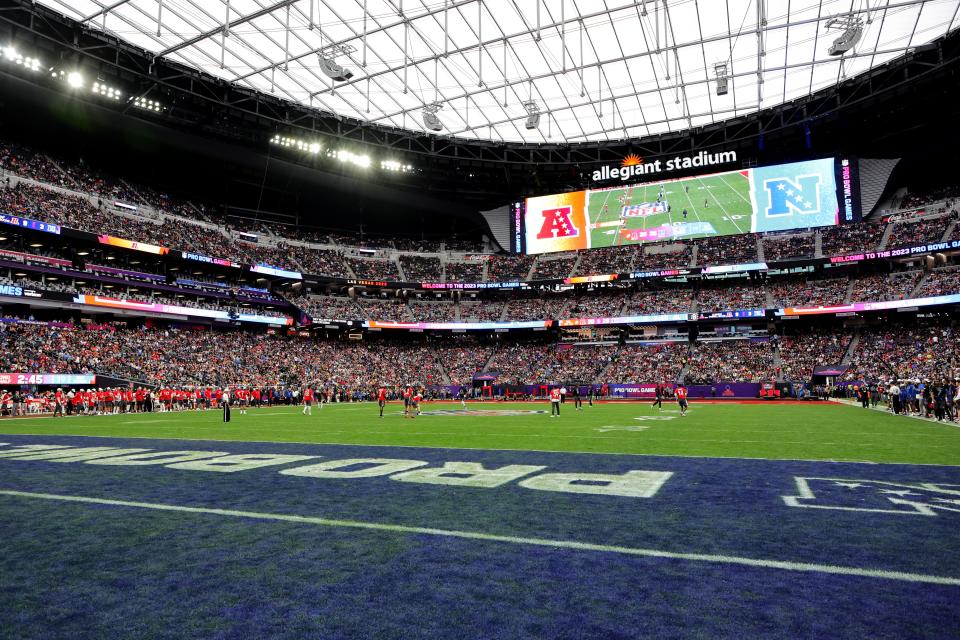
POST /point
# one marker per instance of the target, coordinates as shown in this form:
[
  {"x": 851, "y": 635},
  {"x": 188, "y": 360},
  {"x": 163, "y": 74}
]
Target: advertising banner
[{"x": 719, "y": 390}]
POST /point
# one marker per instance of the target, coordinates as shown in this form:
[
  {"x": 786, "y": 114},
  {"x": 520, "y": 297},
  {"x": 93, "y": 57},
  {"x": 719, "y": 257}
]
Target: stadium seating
[{"x": 74, "y": 195}]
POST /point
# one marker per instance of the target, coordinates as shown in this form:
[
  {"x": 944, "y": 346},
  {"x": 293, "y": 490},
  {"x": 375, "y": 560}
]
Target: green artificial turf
[{"x": 773, "y": 431}]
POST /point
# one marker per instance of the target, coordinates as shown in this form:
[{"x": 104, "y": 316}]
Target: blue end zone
[{"x": 96, "y": 570}]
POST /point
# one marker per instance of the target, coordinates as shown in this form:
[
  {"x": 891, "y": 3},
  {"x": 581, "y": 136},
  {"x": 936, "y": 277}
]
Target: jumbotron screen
[{"x": 799, "y": 195}]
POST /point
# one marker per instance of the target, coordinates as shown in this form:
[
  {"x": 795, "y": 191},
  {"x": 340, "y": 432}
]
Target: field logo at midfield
[
  {"x": 789, "y": 196},
  {"x": 483, "y": 412},
  {"x": 918, "y": 499},
  {"x": 557, "y": 224}
]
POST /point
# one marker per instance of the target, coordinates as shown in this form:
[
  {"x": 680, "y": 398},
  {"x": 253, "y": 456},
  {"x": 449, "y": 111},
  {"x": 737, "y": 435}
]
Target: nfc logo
[{"x": 788, "y": 197}]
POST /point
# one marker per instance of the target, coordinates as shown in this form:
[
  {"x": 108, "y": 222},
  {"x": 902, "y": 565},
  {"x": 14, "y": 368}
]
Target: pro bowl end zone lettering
[{"x": 633, "y": 483}]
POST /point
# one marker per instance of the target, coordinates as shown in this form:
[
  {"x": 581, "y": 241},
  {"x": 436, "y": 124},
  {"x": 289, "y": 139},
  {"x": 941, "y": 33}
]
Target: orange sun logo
[{"x": 631, "y": 160}]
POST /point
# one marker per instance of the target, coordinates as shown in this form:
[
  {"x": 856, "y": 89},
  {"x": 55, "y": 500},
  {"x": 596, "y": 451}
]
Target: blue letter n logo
[{"x": 788, "y": 196}]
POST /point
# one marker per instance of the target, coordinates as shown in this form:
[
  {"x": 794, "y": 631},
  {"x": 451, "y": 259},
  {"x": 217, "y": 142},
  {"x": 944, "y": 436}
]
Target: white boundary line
[
  {"x": 847, "y": 402},
  {"x": 489, "y": 537}
]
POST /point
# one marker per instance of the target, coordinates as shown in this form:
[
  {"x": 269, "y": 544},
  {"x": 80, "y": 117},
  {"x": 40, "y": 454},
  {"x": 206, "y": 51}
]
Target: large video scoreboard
[{"x": 798, "y": 195}]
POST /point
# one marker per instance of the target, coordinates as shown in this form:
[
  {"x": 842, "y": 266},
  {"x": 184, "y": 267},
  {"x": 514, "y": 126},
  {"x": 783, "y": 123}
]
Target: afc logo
[
  {"x": 788, "y": 196},
  {"x": 557, "y": 224}
]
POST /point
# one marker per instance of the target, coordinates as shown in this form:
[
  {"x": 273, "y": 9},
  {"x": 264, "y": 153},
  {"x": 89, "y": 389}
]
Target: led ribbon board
[{"x": 47, "y": 378}]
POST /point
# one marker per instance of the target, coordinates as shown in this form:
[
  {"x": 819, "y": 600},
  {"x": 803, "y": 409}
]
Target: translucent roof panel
[{"x": 598, "y": 70}]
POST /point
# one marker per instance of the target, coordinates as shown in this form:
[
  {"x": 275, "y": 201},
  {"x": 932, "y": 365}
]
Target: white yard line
[
  {"x": 692, "y": 206},
  {"x": 762, "y": 563},
  {"x": 723, "y": 208},
  {"x": 736, "y": 192}
]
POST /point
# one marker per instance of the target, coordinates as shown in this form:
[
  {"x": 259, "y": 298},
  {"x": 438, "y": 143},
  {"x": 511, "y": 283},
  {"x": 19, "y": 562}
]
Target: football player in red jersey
[
  {"x": 417, "y": 399},
  {"x": 681, "y": 393},
  {"x": 308, "y": 401},
  {"x": 555, "y": 402},
  {"x": 59, "y": 399},
  {"x": 381, "y": 399}
]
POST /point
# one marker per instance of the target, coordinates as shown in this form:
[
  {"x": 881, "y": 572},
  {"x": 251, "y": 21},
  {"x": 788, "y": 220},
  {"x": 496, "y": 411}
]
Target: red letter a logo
[{"x": 557, "y": 224}]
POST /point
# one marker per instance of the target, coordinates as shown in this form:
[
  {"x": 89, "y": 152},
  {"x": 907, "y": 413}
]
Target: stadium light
[
  {"x": 75, "y": 79},
  {"x": 296, "y": 143},
  {"x": 349, "y": 157},
  {"x": 533, "y": 114},
  {"x": 328, "y": 63},
  {"x": 721, "y": 70},
  {"x": 430, "y": 118},
  {"x": 27, "y": 62},
  {"x": 852, "y": 27},
  {"x": 393, "y": 165},
  {"x": 106, "y": 91},
  {"x": 150, "y": 105}
]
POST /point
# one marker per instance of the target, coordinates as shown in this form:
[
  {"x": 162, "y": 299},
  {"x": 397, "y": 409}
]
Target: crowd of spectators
[
  {"x": 463, "y": 272},
  {"x": 879, "y": 287},
  {"x": 800, "y": 354},
  {"x": 607, "y": 260},
  {"x": 329, "y": 307},
  {"x": 553, "y": 269},
  {"x": 520, "y": 363},
  {"x": 46, "y": 205},
  {"x": 433, "y": 311},
  {"x": 913, "y": 200},
  {"x": 651, "y": 300},
  {"x": 578, "y": 363},
  {"x": 536, "y": 308},
  {"x": 730, "y": 361},
  {"x": 374, "y": 269},
  {"x": 481, "y": 311},
  {"x": 506, "y": 268},
  {"x": 647, "y": 363},
  {"x": 537, "y": 363},
  {"x": 363, "y": 365},
  {"x": 779, "y": 247},
  {"x": 319, "y": 261},
  {"x": 722, "y": 298},
  {"x": 417, "y": 245},
  {"x": 602, "y": 303},
  {"x": 737, "y": 249},
  {"x": 850, "y": 238},
  {"x": 159, "y": 356},
  {"x": 389, "y": 310},
  {"x": 939, "y": 282},
  {"x": 25, "y": 162},
  {"x": 922, "y": 231},
  {"x": 805, "y": 293},
  {"x": 185, "y": 358},
  {"x": 462, "y": 245},
  {"x": 180, "y": 357},
  {"x": 420, "y": 268},
  {"x": 923, "y": 352},
  {"x": 463, "y": 356}
]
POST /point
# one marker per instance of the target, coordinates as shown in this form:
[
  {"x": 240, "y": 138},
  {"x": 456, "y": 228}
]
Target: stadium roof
[{"x": 598, "y": 70}]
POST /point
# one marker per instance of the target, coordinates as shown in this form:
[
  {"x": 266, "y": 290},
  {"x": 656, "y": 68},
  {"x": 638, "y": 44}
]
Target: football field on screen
[
  {"x": 498, "y": 521},
  {"x": 720, "y": 205}
]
